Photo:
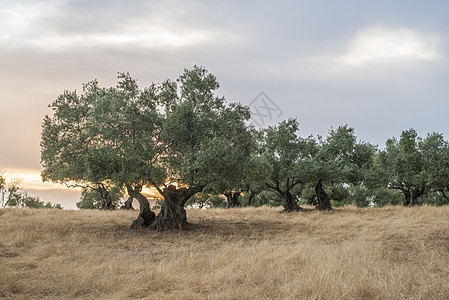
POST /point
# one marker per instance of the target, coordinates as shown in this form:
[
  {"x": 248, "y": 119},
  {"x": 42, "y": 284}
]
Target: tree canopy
[{"x": 169, "y": 132}]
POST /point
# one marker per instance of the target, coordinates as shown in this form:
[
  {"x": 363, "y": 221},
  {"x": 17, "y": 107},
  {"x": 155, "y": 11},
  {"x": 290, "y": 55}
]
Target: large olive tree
[{"x": 166, "y": 133}]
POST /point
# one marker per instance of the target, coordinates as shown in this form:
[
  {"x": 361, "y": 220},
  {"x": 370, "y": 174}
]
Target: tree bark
[
  {"x": 233, "y": 199},
  {"x": 173, "y": 214},
  {"x": 407, "y": 197},
  {"x": 322, "y": 197},
  {"x": 290, "y": 203},
  {"x": 128, "y": 205},
  {"x": 106, "y": 200},
  {"x": 146, "y": 217},
  {"x": 415, "y": 195},
  {"x": 250, "y": 199},
  {"x": 312, "y": 200}
]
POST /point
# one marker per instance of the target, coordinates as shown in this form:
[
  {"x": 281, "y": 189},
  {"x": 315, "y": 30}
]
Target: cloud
[
  {"x": 22, "y": 16},
  {"x": 371, "y": 55},
  {"x": 382, "y": 45},
  {"x": 59, "y": 26},
  {"x": 142, "y": 37}
]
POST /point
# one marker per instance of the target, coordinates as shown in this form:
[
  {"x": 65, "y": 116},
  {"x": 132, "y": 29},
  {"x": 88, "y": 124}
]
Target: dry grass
[{"x": 251, "y": 253}]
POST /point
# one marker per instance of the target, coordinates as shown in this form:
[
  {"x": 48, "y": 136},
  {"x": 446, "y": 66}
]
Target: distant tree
[
  {"x": 435, "y": 153},
  {"x": 252, "y": 180},
  {"x": 401, "y": 166},
  {"x": 2, "y": 187},
  {"x": 12, "y": 195},
  {"x": 10, "y": 189},
  {"x": 339, "y": 159},
  {"x": 268, "y": 198},
  {"x": 287, "y": 155},
  {"x": 205, "y": 200},
  {"x": 34, "y": 202},
  {"x": 91, "y": 198}
]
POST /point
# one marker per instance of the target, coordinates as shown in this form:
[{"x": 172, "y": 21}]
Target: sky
[{"x": 379, "y": 66}]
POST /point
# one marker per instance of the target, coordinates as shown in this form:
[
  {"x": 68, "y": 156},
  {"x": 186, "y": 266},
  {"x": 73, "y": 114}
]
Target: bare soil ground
[{"x": 248, "y": 253}]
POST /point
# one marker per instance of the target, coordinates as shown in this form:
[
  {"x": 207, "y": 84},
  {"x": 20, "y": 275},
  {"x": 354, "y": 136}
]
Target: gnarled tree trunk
[
  {"x": 415, "y": 195},
  {"x": 173, "y": 214},
  {"x": 106, "y": 200},
  {"x": 146, "y": 217},
  {"x": 233, "y": 199},
  {"x": 128, "y": 205},
  {"x": 322, "y": 197},
  {"x": 250, "y": 199},
  {"x": 312, "y": 200},
  {"x": 407, "y": 196},
  {"x": 290, "y": 203}
]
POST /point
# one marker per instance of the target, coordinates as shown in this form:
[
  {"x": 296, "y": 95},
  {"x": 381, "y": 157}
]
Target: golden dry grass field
[{"x": 248, "y": 253}]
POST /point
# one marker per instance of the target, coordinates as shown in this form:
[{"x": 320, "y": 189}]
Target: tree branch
[
  {"x": 293, "y": 184},
  {"x": 275, "y": 188}
]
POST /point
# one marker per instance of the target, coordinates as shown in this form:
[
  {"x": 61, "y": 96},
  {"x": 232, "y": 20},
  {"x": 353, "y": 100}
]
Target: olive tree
[
  {"x": 435, "y": 153},
  {"x": 287, "y": 155},
  {"x": 401, "y": 166},
  {"x": 9, "y": 189},
  {"x": 166, "y": 133},
  {"x": 338, "y": 159}
]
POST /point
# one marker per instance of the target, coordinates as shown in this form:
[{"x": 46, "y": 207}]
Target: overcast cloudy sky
[{"x": 379, "y": 66}]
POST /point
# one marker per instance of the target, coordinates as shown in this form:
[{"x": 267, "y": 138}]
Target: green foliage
[
  {"x": 91, "y": 198},
  {"x": 267, "y": 198},
  {"x": 341, "y": 159},
  {"x": 102, "y": 134},
  {"x": 287, "y": 155},
  {"x": 340, "y": 194},
  {"x": 362, "y": 196},
  {"x": 406, "y": 165},
  {"x": 208, "y": 141},
  {"x": 217, "y": 201},
  {"x": 25, "y": 200},
  {"x": 158, "y": 204},
  {"x": 204, "y": 200},
  {"x": 436, "y": 199},
  {"x": 15, "y": 198},
  {"x": 382, "y": 197},
  {"x": 300, "y": 163},
  {"x": 435, "y": 153}
]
